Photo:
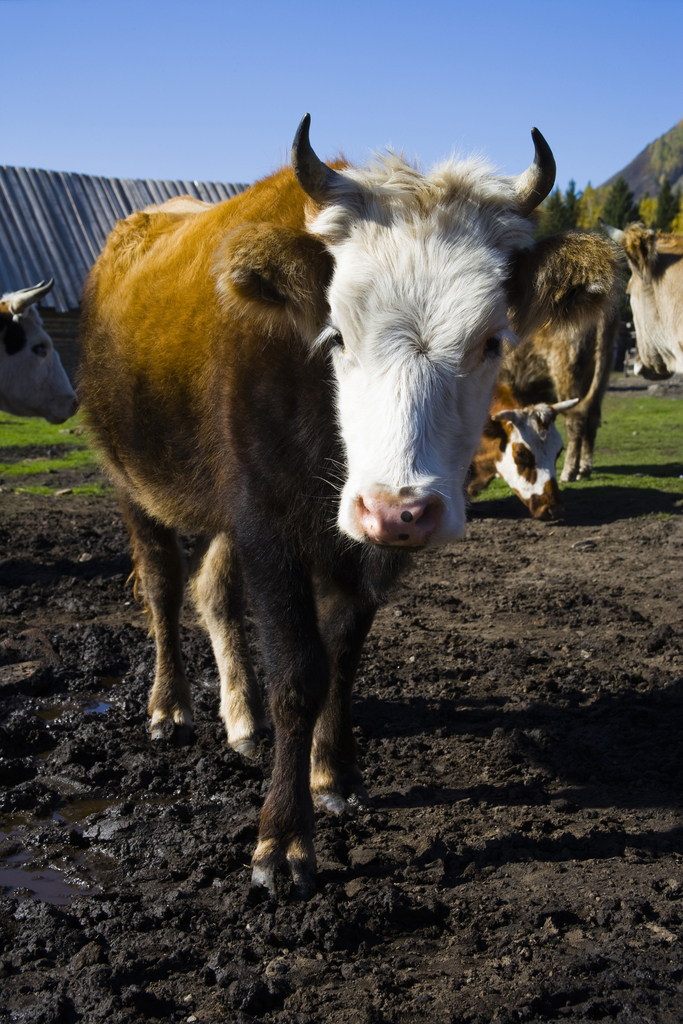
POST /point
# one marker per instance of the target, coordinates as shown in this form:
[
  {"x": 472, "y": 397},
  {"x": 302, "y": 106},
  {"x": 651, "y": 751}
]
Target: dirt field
[{"x": 519, "y": 710}]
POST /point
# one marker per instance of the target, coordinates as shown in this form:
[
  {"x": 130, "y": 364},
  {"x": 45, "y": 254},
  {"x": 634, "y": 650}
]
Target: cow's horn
[
  {"x": 563, "y": 406},
  {"x": 538, "y": 179},
  {"x": 26, "y": 297},
  {"x": 616, "y": 234},
  {"x": 509, "y": 415},
  {"x": 315, "y": 177}
]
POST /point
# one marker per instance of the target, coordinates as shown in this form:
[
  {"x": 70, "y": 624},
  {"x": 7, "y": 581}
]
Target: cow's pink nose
[{"x": 393, "y": 520}]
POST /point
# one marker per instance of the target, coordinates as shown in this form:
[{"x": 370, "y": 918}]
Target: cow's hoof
[
  {"x": 334, "y": 803},
  {"x": 270, "y": 857},
  {"x": 264, "y": 876},
  {"x": 303, "y": 879},
  {"x": 568, "y": 477},
  {"x": 162, "y": 730},
  {"x": 250, "y": 746},
  {"x": 331, "y": 803},
  {"x": 177, "y": 728}
]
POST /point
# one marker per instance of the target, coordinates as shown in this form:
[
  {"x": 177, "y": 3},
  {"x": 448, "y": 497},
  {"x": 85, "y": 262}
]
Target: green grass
[
  {"x": 638, "y": 462},
  {"x": 96, "y": 488},
  {"x": 74, "y": 460},
  {"x": 19, "y": 432}
]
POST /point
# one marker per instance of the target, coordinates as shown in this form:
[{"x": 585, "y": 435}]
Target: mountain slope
[{"x": 661, "y": 159}]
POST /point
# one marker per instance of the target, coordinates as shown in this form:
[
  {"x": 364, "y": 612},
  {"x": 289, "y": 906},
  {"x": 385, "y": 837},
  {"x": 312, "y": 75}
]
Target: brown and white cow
[
  {"x": 301, "y": 374},
  {"x": 521, "y": 444},
  {"x": 574, "y": 276},
  {"x": 656, "y": 290},
  {"x": 32, "y": 378}
]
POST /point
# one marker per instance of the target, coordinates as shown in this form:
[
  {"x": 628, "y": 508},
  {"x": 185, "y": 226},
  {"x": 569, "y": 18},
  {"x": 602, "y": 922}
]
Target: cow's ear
[
  {"x": 566, "y": 280},
  {"x": 277, "y": 275},
  {"x": 640, "y": 245}
]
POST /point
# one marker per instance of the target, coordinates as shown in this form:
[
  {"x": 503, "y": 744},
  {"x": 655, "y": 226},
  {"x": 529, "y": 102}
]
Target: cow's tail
[
  {"x": 605, "y": 332},
  {"x": 139, "y": 597}
]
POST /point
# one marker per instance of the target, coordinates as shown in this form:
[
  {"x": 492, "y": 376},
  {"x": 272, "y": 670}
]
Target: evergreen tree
[
  {"x": 552, "y": 215},
  {"x": 619, "y": 209},
  {"x": 668, "y": 204},
  {"x": 571, "y": 206}
]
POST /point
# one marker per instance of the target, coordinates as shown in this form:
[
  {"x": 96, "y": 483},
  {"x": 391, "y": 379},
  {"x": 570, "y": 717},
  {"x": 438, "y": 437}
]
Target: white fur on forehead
[
  {"x": 454, "y": 193},
  {"x": 428, "y": 295}
]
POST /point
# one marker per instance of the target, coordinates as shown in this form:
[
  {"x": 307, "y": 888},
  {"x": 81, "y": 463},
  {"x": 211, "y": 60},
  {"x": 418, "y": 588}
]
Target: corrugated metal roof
[{"x": 53, "y": 224}]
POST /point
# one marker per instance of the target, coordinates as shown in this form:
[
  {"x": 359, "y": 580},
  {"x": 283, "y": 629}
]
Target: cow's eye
[
  {"x": 336, "y": 339},
  {"x": 40, "y": 349},
  {"x": 492, "y": 347}
]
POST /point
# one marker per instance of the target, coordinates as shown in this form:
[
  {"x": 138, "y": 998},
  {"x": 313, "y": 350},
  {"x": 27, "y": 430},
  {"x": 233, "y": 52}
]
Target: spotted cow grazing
[
  {"x": 521, "y": 444},
  {"x": 574, "y": 277},
  {"x": 300, "y": 374},
  {"x": 656, "y": 291},
  {"x": 32, "y": 378}
]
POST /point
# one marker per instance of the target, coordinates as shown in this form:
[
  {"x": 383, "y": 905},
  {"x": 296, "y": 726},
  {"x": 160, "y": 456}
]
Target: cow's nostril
[
  {"x": 406, "y": 516},
  {"x": 404, "y": 536}
]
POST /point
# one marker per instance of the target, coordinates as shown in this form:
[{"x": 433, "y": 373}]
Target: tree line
[{"x": 615, "y": 205}]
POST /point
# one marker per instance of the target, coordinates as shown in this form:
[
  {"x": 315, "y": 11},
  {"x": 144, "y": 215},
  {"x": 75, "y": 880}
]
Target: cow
[
  {"x": 571, "y": 355},
  {"x": 521, "y": 444},
  {"x": 656, "y": 290},
  {"x": 179, "y": 204},
  {"x": 301, "y": 375},
  {"x": 32, "y": 378}
]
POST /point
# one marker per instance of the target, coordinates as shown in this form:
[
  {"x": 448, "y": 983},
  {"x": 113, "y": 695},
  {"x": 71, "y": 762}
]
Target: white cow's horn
[
  {"x": 616, "y": 234},
  {"x": 538, "y": 179},
  {"x": 26, "y": 297},
  {"x": 315, "y": 177}
]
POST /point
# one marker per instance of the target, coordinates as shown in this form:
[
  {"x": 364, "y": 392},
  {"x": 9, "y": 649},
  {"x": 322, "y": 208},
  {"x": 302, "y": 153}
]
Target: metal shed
[{"x": 54, "y": 223}]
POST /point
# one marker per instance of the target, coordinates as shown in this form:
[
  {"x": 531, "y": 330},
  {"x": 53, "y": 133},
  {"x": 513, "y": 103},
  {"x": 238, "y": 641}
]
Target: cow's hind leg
[
  {"x": 336, "y": 780},
  {"x": 217, "y": 590},
  {"x": 590, "y": 430},
  {"x": 159, "y": 571},
  {"x": 572, "y": 459}
]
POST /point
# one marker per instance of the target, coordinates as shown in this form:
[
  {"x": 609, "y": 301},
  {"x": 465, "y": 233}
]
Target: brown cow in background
[{"x": 571, "y": 355}]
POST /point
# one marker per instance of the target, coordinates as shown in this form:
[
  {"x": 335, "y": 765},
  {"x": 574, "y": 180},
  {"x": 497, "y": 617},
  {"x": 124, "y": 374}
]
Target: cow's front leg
[
  {"x": 335, "y": 776},
  {"x": 217, "y": 591},
  {"x": 159, "y": 571},
  {"x": 282, "y": 601}
]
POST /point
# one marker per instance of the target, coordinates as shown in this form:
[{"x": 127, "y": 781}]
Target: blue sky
[{"x": 214, "y": 89}]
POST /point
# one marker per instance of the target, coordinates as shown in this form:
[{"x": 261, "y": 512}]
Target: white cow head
[
  {"x": 32, "y": 378},
  {"x": 417, "y": 312},
  {"x": 528, "y": 455},
  {"x": 656, "y": 290}
]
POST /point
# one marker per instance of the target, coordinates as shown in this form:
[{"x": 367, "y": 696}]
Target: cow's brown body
[
  {"x": 217, "y": 412},
  {"x": 571, "y": 355},
  {"x": 221, "y": 424}
]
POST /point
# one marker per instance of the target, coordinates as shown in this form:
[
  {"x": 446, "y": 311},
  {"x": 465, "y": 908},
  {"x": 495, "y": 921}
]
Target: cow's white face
[
  {"x": 528, "y": 461},
  {"x": 32, "y": 378},
  {"x": 418, "y": 308}
]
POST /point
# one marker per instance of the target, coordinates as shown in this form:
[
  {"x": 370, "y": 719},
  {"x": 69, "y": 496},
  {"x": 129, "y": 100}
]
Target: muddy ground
[{"x": 519, "y": 711}]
